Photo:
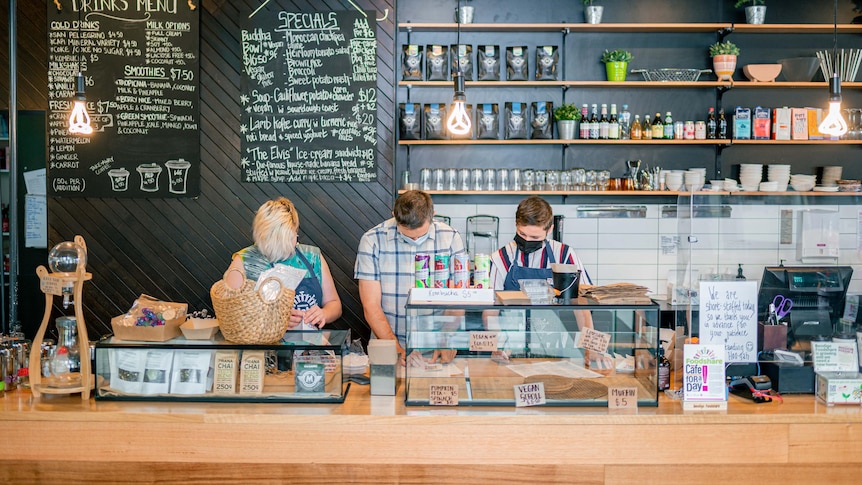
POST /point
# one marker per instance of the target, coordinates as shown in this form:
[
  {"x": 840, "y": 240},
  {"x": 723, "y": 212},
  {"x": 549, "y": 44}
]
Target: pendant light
[
  {"x": 79, "y": 120},
  {"x": 834, "y": 123},
  {"x": 458, "y": 122}
]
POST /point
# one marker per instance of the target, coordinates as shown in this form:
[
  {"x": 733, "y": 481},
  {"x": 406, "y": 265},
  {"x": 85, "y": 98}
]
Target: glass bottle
[
  {"x": 584, "y": 127},
  {"x": 604, "y": 124},
  {"x": 663, "y": 369},
  {"x": 657, "y": 127},
  {"x": 625, "y": 122},
  {"x": 668, "y": 126},
  {"x": 67, "y": 357},
  {"x": 710, "y": 124},
  {"x": 614, "y": 124},
  {"x": 594, "y": 123},
  {"x": 636, "y": 133},
  {"x": 647, "y": 128},
  {"x": 722, "y": 125}
]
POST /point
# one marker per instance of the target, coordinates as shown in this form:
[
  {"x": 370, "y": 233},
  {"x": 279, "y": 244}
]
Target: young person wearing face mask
[
  {"x": 385, "y": 266},
  {"x": 530, "y": 255}
]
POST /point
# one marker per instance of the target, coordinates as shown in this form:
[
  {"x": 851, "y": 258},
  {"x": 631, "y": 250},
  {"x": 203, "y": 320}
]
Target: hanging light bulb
[
  {"x": 459, "y": 122},
  {"x": 834, "y": 123},
  {"x": 79, "y": 120}
]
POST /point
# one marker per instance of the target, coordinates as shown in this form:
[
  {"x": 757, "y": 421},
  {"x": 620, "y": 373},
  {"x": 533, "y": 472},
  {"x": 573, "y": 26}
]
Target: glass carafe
[{"x": 67, "y": 357}]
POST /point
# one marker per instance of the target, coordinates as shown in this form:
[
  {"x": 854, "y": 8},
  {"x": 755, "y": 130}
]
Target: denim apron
[{"x": 517, "y": 272}]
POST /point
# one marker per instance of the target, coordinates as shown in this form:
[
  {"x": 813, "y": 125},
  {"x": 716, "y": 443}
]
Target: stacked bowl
[
  {"x": 803, "y": 183},
  {"x": 694, "y": 179},
  {"x": 673, "y": 179},
  {"x": 780, "y": 174},
  {"x": 831, "y": 175},
  {"x": 750, "y": 175}
]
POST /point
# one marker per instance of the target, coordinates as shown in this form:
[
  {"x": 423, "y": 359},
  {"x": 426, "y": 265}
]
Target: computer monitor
[{"x": 817, "y": 293}]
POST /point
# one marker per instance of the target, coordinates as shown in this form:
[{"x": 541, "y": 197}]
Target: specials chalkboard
[
  {"x": 140, "y": 62},
  {"x": 309, "y": 97}
]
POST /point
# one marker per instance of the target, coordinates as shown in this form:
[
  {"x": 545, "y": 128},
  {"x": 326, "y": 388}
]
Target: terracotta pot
[
  {"x": 616, "y": 71},
  {"x": 724, "y": 65}
]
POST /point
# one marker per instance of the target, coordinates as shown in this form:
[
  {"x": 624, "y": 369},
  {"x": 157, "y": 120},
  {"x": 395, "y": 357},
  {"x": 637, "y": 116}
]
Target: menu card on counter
[
  {"x": 140, "y": 62},
  {"x": 728, "y": 316},
  {"x": 309, "y": 97}
]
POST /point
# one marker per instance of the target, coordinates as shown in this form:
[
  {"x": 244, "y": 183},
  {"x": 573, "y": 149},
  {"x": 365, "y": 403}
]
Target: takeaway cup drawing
[
  {"x": 178, "y": 171},
  {"x": 119, "y": 179},
  {"x": 149, "y": 176}
]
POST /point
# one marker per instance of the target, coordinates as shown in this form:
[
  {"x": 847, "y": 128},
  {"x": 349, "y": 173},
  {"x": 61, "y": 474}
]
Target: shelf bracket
[{"x": 724, "y": 32}]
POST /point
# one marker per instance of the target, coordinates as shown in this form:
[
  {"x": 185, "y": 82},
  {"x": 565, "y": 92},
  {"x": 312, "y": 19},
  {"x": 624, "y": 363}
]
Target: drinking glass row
[{"x": 505, "y": 179}]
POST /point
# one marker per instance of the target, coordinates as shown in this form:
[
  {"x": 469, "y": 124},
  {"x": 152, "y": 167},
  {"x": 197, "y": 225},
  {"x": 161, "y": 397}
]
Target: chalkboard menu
[
  {"x": 140, "y": 62},
  {"x": 309, "y": 97}
]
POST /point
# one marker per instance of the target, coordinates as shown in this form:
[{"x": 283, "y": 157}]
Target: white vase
[
  {"x": 593, "y": 14},
  {"x": 755, "y": 14}
]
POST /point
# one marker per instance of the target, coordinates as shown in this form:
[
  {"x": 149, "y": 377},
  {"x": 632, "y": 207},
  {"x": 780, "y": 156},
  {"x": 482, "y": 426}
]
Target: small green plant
[
  {"x": 740, "y": 3},
  {"x": 567, "y": 111},
  {"x": 588, "y": 2},
  {"x": 726, "y": 48},
  {"x": 617, "y": 55}
]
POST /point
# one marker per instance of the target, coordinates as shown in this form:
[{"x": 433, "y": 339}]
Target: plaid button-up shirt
[{"x": 385, "y": 257}]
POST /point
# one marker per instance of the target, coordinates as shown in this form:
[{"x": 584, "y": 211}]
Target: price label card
[
  {"x": 483, "y": 341},
  {"x": 532, "y": 394},
  {"x": 623, "y": 398},
  {"x": 834, "y": 357},
  {"x": 592, "y": 339},
  {"x": 443, "y": 395}
]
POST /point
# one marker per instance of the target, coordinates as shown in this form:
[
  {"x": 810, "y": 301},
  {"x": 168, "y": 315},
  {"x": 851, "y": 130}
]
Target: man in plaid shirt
[{"x": 385, "y": 262}]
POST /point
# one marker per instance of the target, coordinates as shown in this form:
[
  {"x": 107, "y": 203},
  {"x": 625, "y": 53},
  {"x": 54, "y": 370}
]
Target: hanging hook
[
  {"x": 192, "y": 5},
  {"x": 385, "y": 15},
  {"x": 57, "y": 3}
]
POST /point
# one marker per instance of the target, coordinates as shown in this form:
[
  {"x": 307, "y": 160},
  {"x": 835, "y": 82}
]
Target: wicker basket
[{"x": 246, "y": 318}]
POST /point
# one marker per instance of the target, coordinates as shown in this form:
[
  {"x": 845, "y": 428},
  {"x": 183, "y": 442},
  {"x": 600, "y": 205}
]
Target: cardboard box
[
  {"x": 839, "y": 387},
  {"x": 781, "y": 124},
  {"x": 761, "y": 123},
  {"x": 199, "y": 328},
  {"x": 815, "y": 117},
  {"x": 123, "y": 330},
  {"x": 799, "y": 127},
  {"x": 742, "y": 123}
]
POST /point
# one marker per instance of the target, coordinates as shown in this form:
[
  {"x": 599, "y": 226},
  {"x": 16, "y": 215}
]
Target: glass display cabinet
[
  {"x": 499, "y": 347},
  {"x": 302, "y": 367}
]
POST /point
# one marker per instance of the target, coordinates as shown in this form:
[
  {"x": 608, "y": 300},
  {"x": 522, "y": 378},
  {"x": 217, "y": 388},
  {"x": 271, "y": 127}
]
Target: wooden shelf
[
  {"x": 565, "y": 142},
  {"x": 796, "y": 142},
  {"x": 635, "y": 27},
  {"x": 629, "y": 84},
  {"x": 640, "y": 193}
]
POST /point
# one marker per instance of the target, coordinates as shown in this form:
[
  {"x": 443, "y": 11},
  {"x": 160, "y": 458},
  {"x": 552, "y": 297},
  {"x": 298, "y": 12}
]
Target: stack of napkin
[{"x": 625, "y": 293}]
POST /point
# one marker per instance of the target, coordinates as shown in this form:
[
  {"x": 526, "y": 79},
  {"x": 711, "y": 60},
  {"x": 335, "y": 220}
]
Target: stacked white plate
[
  {"x": 803, "y": 183},
  {"x": 673, "y": 179},
  {"x": 780, "y": 174},
  {"x": 750, "y": 175},
  {"x": 730, "y": 185},
  {"x": 769, "y": 187},
  {"x": 831, "y": 175},
  {"x": 694, "y": 179}
]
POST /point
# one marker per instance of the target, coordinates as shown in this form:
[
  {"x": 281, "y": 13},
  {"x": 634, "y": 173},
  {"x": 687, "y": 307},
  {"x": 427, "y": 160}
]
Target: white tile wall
[{"x": 632, "y": 250}]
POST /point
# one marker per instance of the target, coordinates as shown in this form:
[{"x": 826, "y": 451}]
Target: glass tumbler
[
  {"x": 529, "y": 179},
  {"x": 490, "y": 184},
  {"x": 590, "y": 182},
  {"x": 464, "y": 178},
  {"x": 451, "y": 179},
  {"x": 553, "y": 179},
  {"x": 439, "y": 181},
  {"x": 503, "y": 179},
  {"x": 579, "y": 178},
  {"x": 476, "y": 179},
  {"x": 516, "y": 179},
  {"x": 425, "y": 179},
  {"x": 541, "y": 181},
  {"x": 602, "y": 179},
  {"x": 566, "y": 180}
]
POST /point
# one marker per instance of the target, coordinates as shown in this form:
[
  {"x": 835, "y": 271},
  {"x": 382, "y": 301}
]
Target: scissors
[{"x": 782, "y": 306}]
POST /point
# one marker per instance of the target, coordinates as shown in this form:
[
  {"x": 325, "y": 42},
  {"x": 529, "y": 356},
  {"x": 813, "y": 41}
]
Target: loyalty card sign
[{"x": 703, "y": 378}]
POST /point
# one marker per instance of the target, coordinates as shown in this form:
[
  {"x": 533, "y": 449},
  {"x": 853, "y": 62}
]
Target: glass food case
[
  {"x": 305, "y": 366},
  {"x": 498, "y": 347}
]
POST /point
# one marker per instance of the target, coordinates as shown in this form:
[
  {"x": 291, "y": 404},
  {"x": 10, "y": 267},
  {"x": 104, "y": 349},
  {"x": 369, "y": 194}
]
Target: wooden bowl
[{"x": 762, "y": 73}]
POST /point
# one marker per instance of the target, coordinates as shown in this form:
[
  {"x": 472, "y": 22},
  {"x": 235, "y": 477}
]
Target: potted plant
[
  {"x": 724, "y": 59},
  {"x": 616, "y": 63},
  {"x": 754, "y": 13},
  {"x": 567, "y": 116},
  {"x": 592, "y": 13}
]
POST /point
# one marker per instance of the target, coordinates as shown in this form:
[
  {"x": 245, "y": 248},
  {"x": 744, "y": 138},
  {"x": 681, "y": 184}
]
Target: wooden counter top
[{"x": 376, "y": 439}]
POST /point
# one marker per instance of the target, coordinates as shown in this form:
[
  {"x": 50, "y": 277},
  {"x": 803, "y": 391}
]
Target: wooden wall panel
[{"x": 177, "y": 248}]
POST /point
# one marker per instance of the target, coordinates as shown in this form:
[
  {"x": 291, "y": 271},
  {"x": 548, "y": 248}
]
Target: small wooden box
[{"x": 771, "y": 337}]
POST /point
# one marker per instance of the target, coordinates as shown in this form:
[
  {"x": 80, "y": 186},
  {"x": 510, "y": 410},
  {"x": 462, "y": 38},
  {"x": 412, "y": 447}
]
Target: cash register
[{"x": 818, "y": 294}]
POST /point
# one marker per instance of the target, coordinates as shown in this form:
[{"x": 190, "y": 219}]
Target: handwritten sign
[
  {"x": 531, "y": 394},
  {"x": 728, "y": 316},
  {"x": 464, "y": 296},
  {"x": 623, "y": 397},
  {"x": 309, "y": 97},
  {"x": 834, "y": 357},
  {"x": 703, "y": 373},
  {"x": 592, "y": 339},
  {"x": 483, "y": 341},
  {"x": 140, "y": 62},
  {"x": 443, "y": 395}
]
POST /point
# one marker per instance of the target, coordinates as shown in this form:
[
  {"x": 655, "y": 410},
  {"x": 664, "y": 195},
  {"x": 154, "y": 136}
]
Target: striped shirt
[
  {"x": 385, "y": 257},
  {"x": 563, "y": 253}
]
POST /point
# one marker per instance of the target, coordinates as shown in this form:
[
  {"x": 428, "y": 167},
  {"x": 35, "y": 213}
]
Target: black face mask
[{"x": 528, "y": 247}]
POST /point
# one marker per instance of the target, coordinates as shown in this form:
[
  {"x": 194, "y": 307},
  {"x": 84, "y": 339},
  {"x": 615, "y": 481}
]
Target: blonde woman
[{"x": 275, "y": 231}]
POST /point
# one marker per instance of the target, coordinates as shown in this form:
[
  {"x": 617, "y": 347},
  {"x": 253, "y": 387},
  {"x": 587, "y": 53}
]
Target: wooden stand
[{"x": 52, "y": 284}]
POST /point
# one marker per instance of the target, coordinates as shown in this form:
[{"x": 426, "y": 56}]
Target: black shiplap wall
[{"x": 176, "y": 248}]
